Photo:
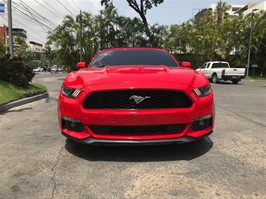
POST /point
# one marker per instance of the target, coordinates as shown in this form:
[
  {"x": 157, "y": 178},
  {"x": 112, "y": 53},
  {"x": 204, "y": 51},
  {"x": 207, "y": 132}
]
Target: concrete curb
[{"x": 23, "y": 101}]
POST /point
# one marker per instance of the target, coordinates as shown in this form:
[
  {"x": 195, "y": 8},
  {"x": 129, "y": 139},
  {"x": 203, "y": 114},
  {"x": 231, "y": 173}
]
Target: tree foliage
[
  {"x": 215, "y": 35},
  {"x": 3, "y": 48},
  {"x": 141, "y": 7},
  {"x": 91, "y": 33},
  {"x": 15, "y": 71}
]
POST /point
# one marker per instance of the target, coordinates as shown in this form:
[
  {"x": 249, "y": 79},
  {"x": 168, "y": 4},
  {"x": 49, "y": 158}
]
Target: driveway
[{"x": 37, "y": 162}]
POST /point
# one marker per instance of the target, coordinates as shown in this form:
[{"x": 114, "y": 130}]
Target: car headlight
[
  {"x": 70, "y": 92},
  {"x": 203, "y": 91}
]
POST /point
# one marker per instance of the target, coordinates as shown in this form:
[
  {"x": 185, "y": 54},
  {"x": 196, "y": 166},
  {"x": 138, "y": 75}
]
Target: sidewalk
[{"x": 23, "y": 101}]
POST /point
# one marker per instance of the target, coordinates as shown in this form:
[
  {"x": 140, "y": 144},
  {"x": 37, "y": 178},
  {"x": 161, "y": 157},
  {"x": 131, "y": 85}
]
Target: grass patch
[
  {"x": 255, "y": 78},
  {"x": 10, "y": 92}
]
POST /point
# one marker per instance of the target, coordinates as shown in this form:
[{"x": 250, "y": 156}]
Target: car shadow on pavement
[
  {"x": 140, "y": 153},
  {"x": 228, "y": 83},
  {"x": 15, "y": 110}
]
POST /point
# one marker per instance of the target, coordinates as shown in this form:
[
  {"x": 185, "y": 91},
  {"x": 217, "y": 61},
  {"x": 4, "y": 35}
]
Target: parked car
[
  {"x": 55, "y": 69},
  {"x": 45, "y": 68},
  {"x": 220, "y": 70},
  {"x": 135, "y": 95},
  {"x": 38, "y": 69}
]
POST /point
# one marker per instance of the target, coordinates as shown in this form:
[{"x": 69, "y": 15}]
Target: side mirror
[
  {"x": 81, "y": 64},
  {"x": 185, "y": 64}
]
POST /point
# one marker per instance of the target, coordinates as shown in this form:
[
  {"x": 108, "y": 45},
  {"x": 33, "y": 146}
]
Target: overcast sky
[{"x": 53, "y": 11}]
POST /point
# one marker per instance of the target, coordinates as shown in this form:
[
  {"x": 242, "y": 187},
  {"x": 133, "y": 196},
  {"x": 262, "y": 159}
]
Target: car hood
[{"x": 127, "y": 74}]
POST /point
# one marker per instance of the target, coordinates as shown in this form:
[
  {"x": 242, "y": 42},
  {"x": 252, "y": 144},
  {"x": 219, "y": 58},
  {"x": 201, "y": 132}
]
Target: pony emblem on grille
[{"x": 138, "y": 99}]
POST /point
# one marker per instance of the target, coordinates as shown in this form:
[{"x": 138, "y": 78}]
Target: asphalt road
[{"x": 37, "y": 162}]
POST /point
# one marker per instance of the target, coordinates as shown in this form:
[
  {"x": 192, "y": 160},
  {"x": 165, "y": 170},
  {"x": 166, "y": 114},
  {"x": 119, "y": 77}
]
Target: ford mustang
[{"x": 135, "y": 95}]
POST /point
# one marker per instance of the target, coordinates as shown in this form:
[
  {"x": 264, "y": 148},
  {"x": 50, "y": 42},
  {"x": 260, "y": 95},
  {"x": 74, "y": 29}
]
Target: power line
[
  {"x": 64, "y": 7},
  {"x": 53, "y": 9},
  {"x": 30, "y": 20},
  {"x": 25, "y": 12},
  {"x": 34, "y": 29},
  {"x": 70, "y": 5},
  {"x": 35, "y": 38},
  {"x": 38, "y": 22},
  {"x": 31, "y": 11},
  {"x": 35, "y": 18},
  {"x": 76, "y": 4},
  {"x": 16, "y": 9},
  {"x": 54, "y": 13}
]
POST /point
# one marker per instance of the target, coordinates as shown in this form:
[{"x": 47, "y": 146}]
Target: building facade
[
  {"x": 236, "y": 9},
  {"x": 36, "y": 48},
  {"x": 19, "y": 38},
  {"x": 3, "y": 34},
  {"x": 249, "y": 8}
]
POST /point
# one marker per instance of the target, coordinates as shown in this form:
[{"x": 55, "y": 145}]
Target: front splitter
[{"x": 118, "y": 142}]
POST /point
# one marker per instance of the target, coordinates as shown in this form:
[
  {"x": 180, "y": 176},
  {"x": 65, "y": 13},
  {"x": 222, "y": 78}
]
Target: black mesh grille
[
  {"x": 137, "y": 130},
  {"x": 123, "y": 99}
]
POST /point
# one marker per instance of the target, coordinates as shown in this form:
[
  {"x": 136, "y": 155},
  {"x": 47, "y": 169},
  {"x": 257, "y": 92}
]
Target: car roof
[
  {"x": 217, "y": 62},
  {"x": 134, "y": 48}
]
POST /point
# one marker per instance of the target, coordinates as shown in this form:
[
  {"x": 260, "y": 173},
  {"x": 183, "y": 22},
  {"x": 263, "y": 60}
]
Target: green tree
[
  {"x": 22, "y": 50},
  {"x": 159, "y": 35},
  {"x": 130, "y": 32},
  {"x": 48, "y": 54},
  {"x": 259, "y": 42},
  {"x": 214, "y": 35},
  {"x": 66, "y": 42},
  {"x": 2, "y": 49},
  {"x": 106, "y": 27},
  {"x": 141, "y": 7},
  {"x": 221, "y": 12},
  {"x": 238, "y": 40},
  {"x": 90, "y": 41}
]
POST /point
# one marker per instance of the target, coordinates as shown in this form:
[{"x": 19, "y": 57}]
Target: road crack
[
  {"x": 54, "y": 172},
  {"x": 244, "y": 117}
]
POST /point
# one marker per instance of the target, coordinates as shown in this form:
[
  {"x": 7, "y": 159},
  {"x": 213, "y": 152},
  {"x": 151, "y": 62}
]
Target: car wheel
[
  {"x": 235, "y": 81},
  {"x": 214, "y": 78}
]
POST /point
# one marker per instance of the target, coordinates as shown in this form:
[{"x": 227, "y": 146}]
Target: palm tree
[
  {"x": 105, "y": 24},
  {"x": 65, "y": 39},
  {"x": 259, "y": 41},
  {"x": 238, "y": 41},
  {"x": 221, "y": 12},
  {"x": 89, "y": 40},
  {"x": 130, "y": 32},
  {"x": 158, "y": 33}
]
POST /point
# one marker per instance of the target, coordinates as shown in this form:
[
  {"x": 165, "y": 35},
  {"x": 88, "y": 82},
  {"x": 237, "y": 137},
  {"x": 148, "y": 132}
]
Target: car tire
[
  {"x": 214, "y": 78},
  {"x": 71, "y": 142},
  {"x": 235, "y": 81}
]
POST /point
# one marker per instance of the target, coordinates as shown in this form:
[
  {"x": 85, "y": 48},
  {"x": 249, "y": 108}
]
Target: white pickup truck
[{"x": 220, "y": 70}]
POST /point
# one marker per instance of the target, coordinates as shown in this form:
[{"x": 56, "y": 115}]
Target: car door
[{"x": 205, "y": 69}]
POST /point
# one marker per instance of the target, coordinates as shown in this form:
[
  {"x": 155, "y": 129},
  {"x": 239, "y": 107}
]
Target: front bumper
[
  {"x": 233, "y": 77},
  {"x": 201, "y": 107}
]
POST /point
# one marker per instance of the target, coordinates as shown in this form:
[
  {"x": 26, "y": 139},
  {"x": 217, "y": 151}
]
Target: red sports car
[{"x": 135, "y": 95}]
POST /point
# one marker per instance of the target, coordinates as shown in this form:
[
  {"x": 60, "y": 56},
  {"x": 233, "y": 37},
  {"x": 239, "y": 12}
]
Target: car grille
[
  {"x": 137, "y": 130},
  {"x": 123, "y": 99}
]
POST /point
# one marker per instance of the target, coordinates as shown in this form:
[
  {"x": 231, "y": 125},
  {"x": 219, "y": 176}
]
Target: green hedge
[{"x": 15, "y": 71}]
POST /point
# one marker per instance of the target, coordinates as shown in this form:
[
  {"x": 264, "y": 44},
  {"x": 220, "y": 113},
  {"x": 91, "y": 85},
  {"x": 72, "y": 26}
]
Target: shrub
[{"x": 15, "y": 71}]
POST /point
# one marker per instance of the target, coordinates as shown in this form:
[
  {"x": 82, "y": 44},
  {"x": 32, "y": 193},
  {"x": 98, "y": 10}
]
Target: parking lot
[{"x": 37, "y": 162}]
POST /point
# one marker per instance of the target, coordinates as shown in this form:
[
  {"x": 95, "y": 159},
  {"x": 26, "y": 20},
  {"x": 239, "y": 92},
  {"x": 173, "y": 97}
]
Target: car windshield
[{"x": 133, "y": 57}]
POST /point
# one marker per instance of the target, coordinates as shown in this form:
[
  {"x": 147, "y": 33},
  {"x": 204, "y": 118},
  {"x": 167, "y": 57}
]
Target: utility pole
[
  {"x": 250, "y": 40},
  {"x": 10, "y": 28},
  {"x": 80, "y": 39}
]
